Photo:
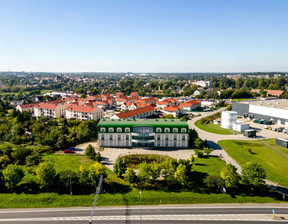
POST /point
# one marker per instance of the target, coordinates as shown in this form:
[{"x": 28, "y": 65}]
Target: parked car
[
  {"x": 267, "y": 127},
  {"x": 285, "y": 130},
  {"x": 274, "y": 129},
  {"x": 70, "y": 150},
  {"x": 280, "y": 129}
]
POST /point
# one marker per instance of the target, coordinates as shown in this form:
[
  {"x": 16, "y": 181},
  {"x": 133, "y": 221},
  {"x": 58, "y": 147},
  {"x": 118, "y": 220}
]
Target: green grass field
[
  {"x": 211, "y": 165},
  {"x": 273, "y": 158},
  {"x": 131, "y": 198},
  {"x": 214, "y": 128},
  {"x": 206, "y": 166},
  {"x": 68, "y": 162}
]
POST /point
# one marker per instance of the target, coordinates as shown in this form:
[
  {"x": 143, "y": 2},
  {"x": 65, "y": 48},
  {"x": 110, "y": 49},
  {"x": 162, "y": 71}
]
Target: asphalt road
[{"x": 150, "y": 214}]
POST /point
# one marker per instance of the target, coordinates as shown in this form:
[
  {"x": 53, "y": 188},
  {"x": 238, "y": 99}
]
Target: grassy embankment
[
  {"x": 273, "y": 158},
  {"x": 202, "y": 168},
  {"x": 214, "y": 128}
]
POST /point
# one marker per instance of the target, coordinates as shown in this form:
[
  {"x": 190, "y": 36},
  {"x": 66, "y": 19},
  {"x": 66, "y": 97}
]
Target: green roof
[{"x": 149, "y": 122}]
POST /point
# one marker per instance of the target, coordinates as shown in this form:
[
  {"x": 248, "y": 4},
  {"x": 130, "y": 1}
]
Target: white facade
[
  {"x": 58, "y": 112},
  {"x": 241, "y": 127},
  {"x": 228, "y": 118},
  {"x": 97, "y": 114}
]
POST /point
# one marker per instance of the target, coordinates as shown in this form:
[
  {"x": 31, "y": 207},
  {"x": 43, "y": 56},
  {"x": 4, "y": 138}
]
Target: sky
[{"x": 144, "y": 35}]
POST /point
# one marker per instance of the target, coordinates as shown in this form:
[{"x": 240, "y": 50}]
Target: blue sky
[{"x": 144, "y": 36}]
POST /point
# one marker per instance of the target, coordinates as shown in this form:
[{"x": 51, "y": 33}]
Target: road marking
[
  {"x": 213, "y": 217},
  {"x": 4, "y": 211}
]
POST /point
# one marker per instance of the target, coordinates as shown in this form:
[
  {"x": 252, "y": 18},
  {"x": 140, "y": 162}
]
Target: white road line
[
  {"x": 137, "y": 208},
  {"x": 213, "y": 217}
]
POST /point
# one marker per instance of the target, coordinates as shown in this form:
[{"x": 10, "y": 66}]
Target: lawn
[
  {"x": 68, "y": 162},
  {"x": 202, "y": 166},
  {"x": 214, "y": 128},
  {"x": 131, "y": 198},
  {"x": 211, "y": 165},
  {"x": 273, "y": 158}
]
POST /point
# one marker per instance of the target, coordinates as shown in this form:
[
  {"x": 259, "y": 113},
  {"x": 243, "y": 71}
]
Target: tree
[
  {"x": 46, "y": 174},
  {"x": 230, "y": 176},
  {"x": 169, "y": 167},
  {"x": 98, "y": 157},
  {"x": 130, "y": 175},
  {"x": 144, "y": 173},
  {"x": 120, "y": 167},
  {"x": 207, "y": 150},
  {"x": 90, "y": 152},
  {"x": 199, "y": 153},
  {"x": 169, "y": 116},
  {"x": 95, "y": 171},
  {"x": 181, "y": 174},
  {"x": 214, "y": 182},
  {"x": 64, "y": 181},
  {"x": 13, "y": 175},
  {"x": 253, "y": 173},
  {"x": 155, "y": 170}
]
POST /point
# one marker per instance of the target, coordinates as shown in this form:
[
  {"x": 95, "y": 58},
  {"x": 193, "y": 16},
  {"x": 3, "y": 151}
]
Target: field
[
  {"x": 202, "y": 168},
  {"x": 214, "y": 128},
  {"x": 26, "y": 92},
  {"x": 131, "y": 198},
  {"x": 273, "y": 158}
]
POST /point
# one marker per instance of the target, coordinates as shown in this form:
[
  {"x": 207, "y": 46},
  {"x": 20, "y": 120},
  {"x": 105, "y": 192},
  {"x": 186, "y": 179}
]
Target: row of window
[
  {"x": 146, "y": 138},
  {"x": 166, "y": 130}
]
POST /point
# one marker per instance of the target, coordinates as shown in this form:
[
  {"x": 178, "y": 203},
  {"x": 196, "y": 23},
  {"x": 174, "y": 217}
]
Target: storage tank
[{"x": 228, "y": 118}]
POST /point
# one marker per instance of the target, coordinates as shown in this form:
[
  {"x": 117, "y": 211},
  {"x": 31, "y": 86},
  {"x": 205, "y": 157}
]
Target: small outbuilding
[
  {"x": 240, "y": 126},
  {"x": 250, "y": 133},
  {"x": 282, "y": 142}
]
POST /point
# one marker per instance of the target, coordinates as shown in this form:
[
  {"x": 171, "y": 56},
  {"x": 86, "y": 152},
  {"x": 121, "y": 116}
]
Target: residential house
[
  {"x": 138, "y": 113},
  {"x": 51, "y": 110},
  {"x": 84, "y": 113}
]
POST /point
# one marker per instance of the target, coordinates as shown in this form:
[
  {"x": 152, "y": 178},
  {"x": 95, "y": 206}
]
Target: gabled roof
[
  {"x": 132, "y": 113},
  {"x": 48, "y": 106},
  {"x": 162, "y": 102},
  {"x": 85, "y": 109},
  {"x": 172, "y": 108},
  {"x": 28, "y": 105}
]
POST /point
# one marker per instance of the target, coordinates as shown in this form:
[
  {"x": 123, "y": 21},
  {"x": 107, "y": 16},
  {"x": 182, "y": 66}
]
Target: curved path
[{"x": 212, "y": 140}]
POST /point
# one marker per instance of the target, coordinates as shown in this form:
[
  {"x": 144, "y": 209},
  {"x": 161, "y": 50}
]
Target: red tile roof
[
  {"x": 48, "y": 106},
  {"x": 172, "y": 108},
  {"x": 132, "y": 113},
  {"x": 85, "y": 109},
  {"x": 29, "y": 105},
  {"x": 274, "y": 92}
]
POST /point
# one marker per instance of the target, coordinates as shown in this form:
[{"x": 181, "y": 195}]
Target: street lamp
[
  {"x": 140, "y": 207},
  {"x": 70, "y": 190}
]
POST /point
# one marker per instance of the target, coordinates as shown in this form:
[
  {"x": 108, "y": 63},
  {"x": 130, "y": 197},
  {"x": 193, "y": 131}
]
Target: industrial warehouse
[
  {"x": 275, "y": 110},
  {"x": 148, "y": 133}
]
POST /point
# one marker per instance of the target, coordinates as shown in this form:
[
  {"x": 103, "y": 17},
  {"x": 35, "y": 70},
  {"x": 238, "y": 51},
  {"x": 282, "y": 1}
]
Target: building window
[
  {"x": 175, "y": 130},
  {"x": 175, "y": 144},
  {"x": 183, "y": 138},
  {"x": 183, "y": 130},
  {"x": 119, "y": 129},
  {"x": 102, "y": 137},
  {"x": 166, "y": 137},
  {"x": 127, "y": 137},
  {"x": 127, "y": 129},
  {"x": 158, "y": 130},
  {"x": 119, "y": 137},
  {"x": 111, "y": 137},
  {"x": 167, "y": 130},
  {"x": 111, "y": 129},
  {"x": 166, "y": 144},
  {"x": 102, "y": 130},
  {"x": 158, "y": 137},
  {"x": 175, "y": 137},
  {"x": 158, "y": 144}
]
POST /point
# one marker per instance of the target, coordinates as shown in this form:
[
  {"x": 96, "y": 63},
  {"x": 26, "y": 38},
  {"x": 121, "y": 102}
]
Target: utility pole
[
  {"x": 98, "y": 188},
  {"x": 140, "y": 207},
  {"x": 70, "y": 189}
]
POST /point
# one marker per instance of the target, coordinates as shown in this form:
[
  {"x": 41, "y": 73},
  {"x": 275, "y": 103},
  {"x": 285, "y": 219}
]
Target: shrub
[
  {"x": 129, "y": 175},
  {"x": 214, "y": 182},
  {"x": 90, "y": 152},
  {"x": 199, "y": 153}
]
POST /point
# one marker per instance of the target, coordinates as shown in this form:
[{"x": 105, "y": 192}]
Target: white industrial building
[
  {"x": 274, "y": 109},
  {"x": 240, "y": 126}
]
